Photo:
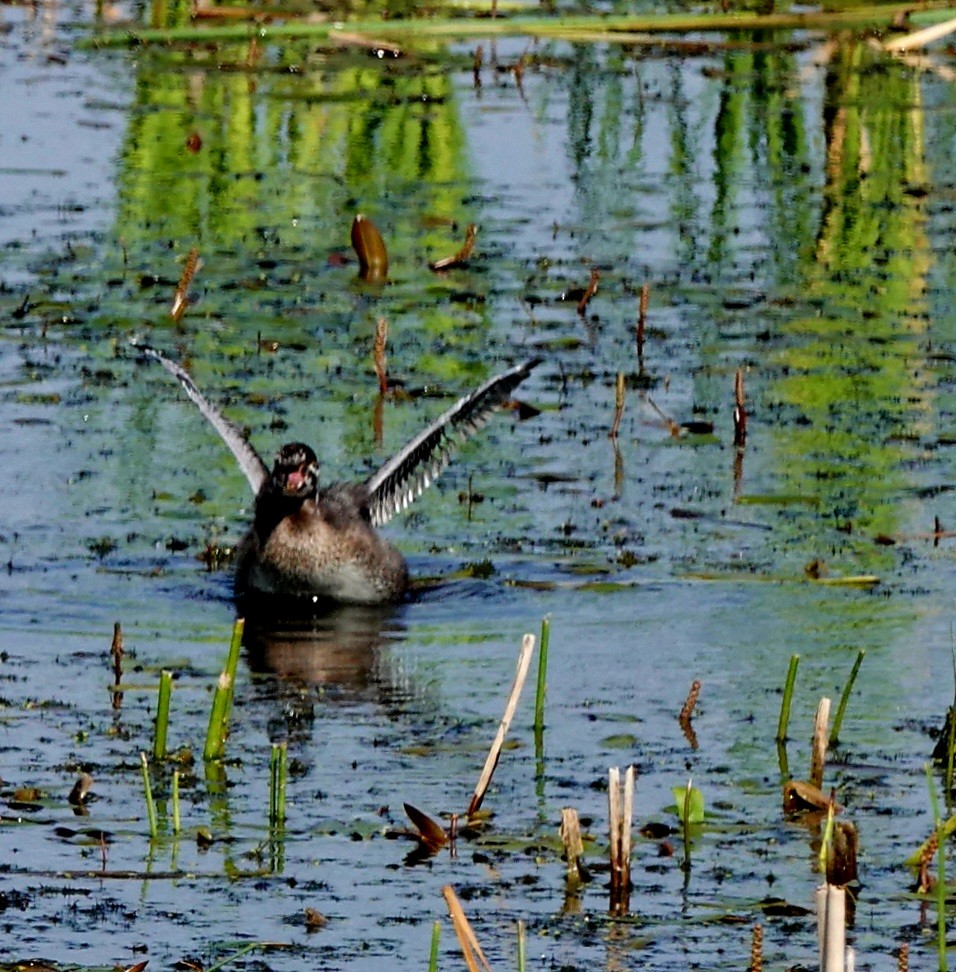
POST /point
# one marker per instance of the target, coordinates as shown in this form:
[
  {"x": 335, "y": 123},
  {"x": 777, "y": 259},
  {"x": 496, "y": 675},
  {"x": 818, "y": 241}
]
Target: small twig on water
[
  {"x": 618, "y": 405},
  {"x": 524, "y": 662},
  {"x": 116, "y": 653},
  {"x": 590, "y": 291},
  {"x": 181, "y": 297}
]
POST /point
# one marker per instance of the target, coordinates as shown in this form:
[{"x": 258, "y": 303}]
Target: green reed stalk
[
  {"x": 787, "y": 698},
  {"x": 685, "y": 821},
  {"x": 845, "y": 698},
  {"x": 542, "y": 675},
  {"x": 278, "y": 774},
  {"x": 222, "y": 700},
  {"x": 176, "y": 818},
  {"x": 162, "y": 715},
  {"x": 150, "y": 803},
  {"x": 940, "y": 871},
  {"x": 433, "y": 951},
  {"x": 950, "y": 750}
]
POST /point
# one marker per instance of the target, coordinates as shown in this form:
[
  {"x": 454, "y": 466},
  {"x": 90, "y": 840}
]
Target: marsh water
[{"x": 788, "y": 200}]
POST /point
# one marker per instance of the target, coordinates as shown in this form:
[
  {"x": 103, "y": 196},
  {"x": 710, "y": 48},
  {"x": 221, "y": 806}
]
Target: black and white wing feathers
[
  {"x": 247, "y": 457},
  {"x": 406, "y": 475}
]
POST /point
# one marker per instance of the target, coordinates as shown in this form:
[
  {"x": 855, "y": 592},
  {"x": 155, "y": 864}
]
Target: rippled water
[{"x": 790, "y": 209}]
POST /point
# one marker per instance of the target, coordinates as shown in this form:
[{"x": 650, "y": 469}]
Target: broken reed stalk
[
  {"x": 116, "y": 653},
  {"x": 461, "y": 257},
  {"x": 181, "y": 297},
  {"x": 642, "y": 323},
  {"x": 521, "y": 946},
  {"x": 621, "y": 808},
  {"x": 378, "y": 354},
  {"x": 845, "y": 698},
  {"x": 542, "y": 686},
  {"x": 433, "y": 950},
  {"x": 524, "y": 662},
  {"x": 176, "y": 818},
  {"x": 787, "y": 698},
  {"x": 150, "y": 802},
  {"x": 162, "y": 715},
  {"x": 222, "y": 700},
  {"x": 589, "y": 291},
  {"x": 470, "y": 949},
  {"x": 740, "y": 410},
  {"x": 940, "y": 870},
  {"x": 818, "y": 755},
  {"x": 278, "y": 773},
  {"x": 573, "y": 845},
  {"x": 618, "y": 405},
  {"x": 831, "y": 927},
  {"x": 756, "y": 949}
]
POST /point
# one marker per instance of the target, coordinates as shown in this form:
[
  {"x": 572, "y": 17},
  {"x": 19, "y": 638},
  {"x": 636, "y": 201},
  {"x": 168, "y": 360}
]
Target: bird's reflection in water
[{"x": 345, "y": 647}]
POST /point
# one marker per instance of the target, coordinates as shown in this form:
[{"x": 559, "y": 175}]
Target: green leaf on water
[
  {"x": 623, "y": 740},
  {"x": 695, "y": 806}
]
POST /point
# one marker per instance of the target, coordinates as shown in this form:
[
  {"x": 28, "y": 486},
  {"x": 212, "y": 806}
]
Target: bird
[{"x": 320, "y": 543}]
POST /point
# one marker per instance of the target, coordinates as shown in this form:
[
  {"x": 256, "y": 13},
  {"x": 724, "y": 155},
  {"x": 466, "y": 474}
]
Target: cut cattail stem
[
  {"x": 378, "y": 353},
  {"x": 524, "y": 662},
  {"x": 818, "y": 756},
  {"x": 618, "y": 405},
  {"x": 740, "y": 410},
  {"x": 116, "y": 653},
  {"x": 573, "y": 847},
  {"x": 642, "y": 323},
  {"x": 222, "y": 700},
  {"x": 162, "y": 715},
  {"x": 470, "y": 948},
  {"x": 621, "y": 807}
]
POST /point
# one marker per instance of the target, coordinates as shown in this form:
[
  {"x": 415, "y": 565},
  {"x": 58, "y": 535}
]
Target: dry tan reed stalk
[
  {"x": 116, "y": 653},
  {"x": 620, "y": 810},
  {"x": 618, "y": 405},
  {"x": 524, "y": 662},
  {"x": 821, "y": 736},
  {"x": 756, "y": 949},
  {"x": 831, "y": 927},
  {"x": 347, "y": 38},
  {"x": 692, "y": 696},
  {"x": 181, "y": 297},
  {"x": 470, "y": 948},
  {"x": 378, "y": 354},
  {"x": 740, "y": 410},
  {"x": 590, "y": 291},
  {"x": 571, "y": 838},
  {"x": 642, "y": 321},
  {"x": 921, "y": 38}
]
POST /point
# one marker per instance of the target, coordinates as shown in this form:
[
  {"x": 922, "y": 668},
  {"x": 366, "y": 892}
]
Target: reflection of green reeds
[
  {"x": 222, "y": 700},
  {"x": 150, "y": 803},
  {"x": 845, "y": 698},
  {"x": 940, "y": 871},
  {"x": 162, "y": 715},
  {"x": 278, "y": 770},
  {"x": 787, "y": 697},
  {"x": 598, "y": 28},
  {"x": 176, "y": 818}
]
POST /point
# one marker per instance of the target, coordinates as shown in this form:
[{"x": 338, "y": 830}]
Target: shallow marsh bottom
[{"x": 659, "y": 564}]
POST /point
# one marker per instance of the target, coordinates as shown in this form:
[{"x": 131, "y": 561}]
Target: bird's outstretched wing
[
  {"x": 247, "y": 457},
  {"x": 406, "y": 475}
]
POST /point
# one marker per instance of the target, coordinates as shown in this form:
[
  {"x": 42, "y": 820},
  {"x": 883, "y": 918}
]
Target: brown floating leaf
[
  {"x": 370, "y": 249},
  {"x": 461, "y": 257},
  {"x": 431, "y": 834},
  {"x": 81, "y": 789},
  {"x": 798, "y": 796},
  {"x": 314, "y": 919}
]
